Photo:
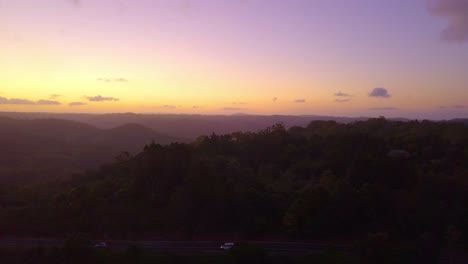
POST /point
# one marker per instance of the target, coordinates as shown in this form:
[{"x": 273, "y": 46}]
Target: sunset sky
[{"x": 405, "y": 58}]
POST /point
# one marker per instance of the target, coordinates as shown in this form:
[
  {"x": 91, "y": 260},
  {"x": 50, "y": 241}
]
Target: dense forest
[{"x": 403, "y": 181}]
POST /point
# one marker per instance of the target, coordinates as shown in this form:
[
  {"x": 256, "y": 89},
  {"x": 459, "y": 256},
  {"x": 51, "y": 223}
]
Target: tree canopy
[{"x": 323, "y": 181}]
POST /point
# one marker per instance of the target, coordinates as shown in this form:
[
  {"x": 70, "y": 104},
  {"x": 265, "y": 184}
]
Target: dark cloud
[
  {"x": 110, "y": 80},
  {"x": 274, "y": 99},
  {"x": 48, "y": 102},
  {"x": 99, "y": 98},
  {"x": 456, "y": 14},
  {"x": 388, "y": 108},
  {"x": 379, "y": 92},
  {"x": 233, "y": 109},
  {"x": 340, "y": 94},
  {"x": 76, "y": 104},
  {"x": 17, "y": 101},
  {"x": 342, "y": 100},
  {"x": 55, "y": 96},
  {"x": 299, "y": 101}
]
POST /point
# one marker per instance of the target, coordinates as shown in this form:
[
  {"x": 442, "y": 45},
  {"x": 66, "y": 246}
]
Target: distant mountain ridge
[
  {"x": 51, "y": 148},
  {"x": 37, "y": 145},
  {"x": 190, "y": 126}
]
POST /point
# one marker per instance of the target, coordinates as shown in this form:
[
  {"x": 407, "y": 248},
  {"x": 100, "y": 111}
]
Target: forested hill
[
  {"x": 53, "y": 148},
  {"x": 407, "y": 180},
  {"x": 184, "y": 125},
  {"x": 460, "y": 120}
]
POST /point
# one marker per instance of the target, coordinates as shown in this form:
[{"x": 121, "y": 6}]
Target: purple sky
[{"x": 203, "y": 56}]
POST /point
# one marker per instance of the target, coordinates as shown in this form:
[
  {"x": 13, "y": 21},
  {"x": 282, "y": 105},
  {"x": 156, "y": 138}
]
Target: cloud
[
  {"x": 196, "y": 107},
  {"x": 456, "y": 14},
  {"x": 340, "y": 94},
  {"x": 274, "y": 99},
  {"x": 55, "y": 96},
  {"x": 379, "y": 92},
  {"x": 75, "y": 2},
  {"x": 299, "y": 101},
  {"x": 48, "y": 102},
  {"x": 454, "y": 107},
  {"x": 239, "y": 103},
  {"x": 110, "y": 80},
  {"x": 169, "y": 106},
  {"x": 342, "y": 97},
  {"x": 76, "y": 104},
  {"x": 233, "y": 109},
  {"x": 388, "y": 108},
  {"x": 17, "y": 101},
  {"x": 342, "y": 100},
  {"x": 99, "y": 98}
]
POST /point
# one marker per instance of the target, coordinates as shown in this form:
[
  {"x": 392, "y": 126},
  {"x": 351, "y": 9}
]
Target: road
[
  {"x": 186, "y": 247},
  {"x": 207, "y": 247}
]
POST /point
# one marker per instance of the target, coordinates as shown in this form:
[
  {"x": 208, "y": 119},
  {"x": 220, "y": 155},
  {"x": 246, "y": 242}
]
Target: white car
[{"x": 227, "y": 246}]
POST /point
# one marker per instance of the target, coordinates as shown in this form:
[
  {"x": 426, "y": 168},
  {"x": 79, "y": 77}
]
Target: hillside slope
[{"x": 51, "y": 148}]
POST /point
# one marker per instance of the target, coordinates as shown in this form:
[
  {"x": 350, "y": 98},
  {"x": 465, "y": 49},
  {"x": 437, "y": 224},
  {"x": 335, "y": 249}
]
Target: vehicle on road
[
  {"x": 101, "y": 245},
  {"x": 227, "y": 246}
]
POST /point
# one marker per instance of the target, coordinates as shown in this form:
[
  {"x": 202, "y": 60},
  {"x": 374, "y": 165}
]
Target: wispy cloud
[
  {"x": 379, "y": 93},
  {"x": 18, "y": 101},
  {"x": 233, "y": 109},
  {"x": 196, "y": 107},
  {"x": 15, "y": 101},
  {"x": 75, "y": 2},
  {"x": 456, "y": 14},
  {"x": 342, "y": 100},
  {"x": 388, "y": 108},
  {"x": 299, "y": 101},
  {"x": 48, "y": 102},
  {"x": 239, "y": 103},
  {"x": 55, "y": 96},
  {"x": 274, "y": 99},
  {"x": 342, "y": 97},
  {"x": 99, "y": 98},
  {"x": 169, "y": 106},
  {"x": 340, "y": 94},
  {"x": 76, "y": 104},
  {"x": 460, "y": 106},
  {"x": 112, "y": 80}
]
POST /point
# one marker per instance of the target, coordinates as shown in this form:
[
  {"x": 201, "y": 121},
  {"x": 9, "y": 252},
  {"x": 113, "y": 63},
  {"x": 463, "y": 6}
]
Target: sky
[{"x": 394, "y": 58}]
